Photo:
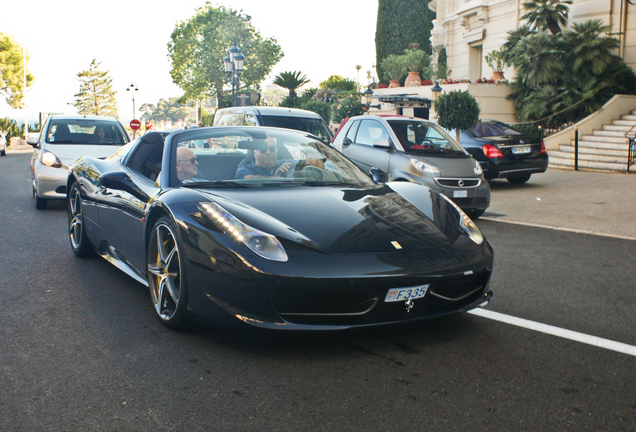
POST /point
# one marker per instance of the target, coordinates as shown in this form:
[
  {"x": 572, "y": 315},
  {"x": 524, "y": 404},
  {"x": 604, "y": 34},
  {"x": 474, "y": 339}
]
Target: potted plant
[
  {"x": 496, "y": 62},
  {"x": 395, "y": 68},
  {"x": 415, "y": 60}
]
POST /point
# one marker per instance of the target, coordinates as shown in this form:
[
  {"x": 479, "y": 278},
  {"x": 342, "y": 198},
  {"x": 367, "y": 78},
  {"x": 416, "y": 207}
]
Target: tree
[
  {"x": 12, "y": 71},
  {"x": 457, "y": 110},
  {"x": 400, "y": 23},
  {"x": 96, "y": 95},
  {"x": 167, "y": 110},
  {"x": 291, "y": 81},
  {"x": 199, "y": 45},
  {"x": 547, "y": 14}
]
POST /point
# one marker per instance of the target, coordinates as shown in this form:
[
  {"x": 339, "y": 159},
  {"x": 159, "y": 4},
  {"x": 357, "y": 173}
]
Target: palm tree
[
  {"x": 547, "y": 14},
  {"x": 291, "y": 81}
]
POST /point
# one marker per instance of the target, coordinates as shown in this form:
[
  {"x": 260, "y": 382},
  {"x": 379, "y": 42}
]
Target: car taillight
[
  {"x": 543, "y": 150},
  {"x": 491, "y": 151}
]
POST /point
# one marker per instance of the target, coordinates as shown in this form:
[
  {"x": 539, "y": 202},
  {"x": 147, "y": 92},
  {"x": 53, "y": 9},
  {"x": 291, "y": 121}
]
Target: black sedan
[
  {"x": 272, "y": 228},
  {"x": 504, "y": 152}
]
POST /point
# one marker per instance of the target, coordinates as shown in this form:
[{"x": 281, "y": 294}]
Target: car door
[
  {"x": 122, "y": 212},
  {"x": 370, "y": 147}
]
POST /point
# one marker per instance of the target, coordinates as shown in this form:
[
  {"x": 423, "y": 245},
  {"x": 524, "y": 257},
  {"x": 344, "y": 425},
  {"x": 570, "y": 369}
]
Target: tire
[
  {"x": 475, "y": 214},
  {"x": 519, "y": 179},
  {"x": 40, "y": 203},
  {"x": 166, "y": 276},
  {"x": 80, "y": 245}
]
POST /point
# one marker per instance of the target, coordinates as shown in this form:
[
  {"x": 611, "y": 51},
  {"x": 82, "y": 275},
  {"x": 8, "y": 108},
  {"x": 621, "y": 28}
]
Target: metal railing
[{"x": 631, "y": 141}]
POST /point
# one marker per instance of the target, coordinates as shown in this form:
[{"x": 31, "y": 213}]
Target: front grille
[
  {"x": 342, "y": 307},
  {"x": 458, "y": 183}
]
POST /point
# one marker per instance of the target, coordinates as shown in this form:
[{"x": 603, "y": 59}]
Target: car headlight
[
  {"x": 259, "y": 242},
  {"x": 49, "y": 159},
  {"x": 423, "y": 166},
  {"x": 466, "y": 224},
  {"x": 478, "y": 170}
]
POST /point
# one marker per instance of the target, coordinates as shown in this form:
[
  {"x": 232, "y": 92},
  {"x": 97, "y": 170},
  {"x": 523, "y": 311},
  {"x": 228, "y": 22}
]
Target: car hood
[
  {"x": 380, "y": 219},
  {"x": 69, "y": 153}
]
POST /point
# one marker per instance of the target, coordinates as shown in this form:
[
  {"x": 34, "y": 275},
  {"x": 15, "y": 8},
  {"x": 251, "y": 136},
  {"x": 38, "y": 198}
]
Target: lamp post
[
  {"x": 133, "y": 89},
  {"x": 436, "y": 90},
  {"x": 368, "y": 95},
  {"x": 233, "y": 67}
]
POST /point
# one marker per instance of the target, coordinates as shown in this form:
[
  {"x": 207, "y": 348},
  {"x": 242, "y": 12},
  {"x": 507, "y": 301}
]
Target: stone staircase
[{"x": 604, "y": 150}]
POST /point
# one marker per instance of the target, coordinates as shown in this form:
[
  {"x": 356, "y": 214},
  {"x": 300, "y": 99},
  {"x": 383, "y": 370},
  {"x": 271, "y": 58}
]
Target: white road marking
[
  {"x": 557, "y": 331},
  {"x": 573, "y": 230}
]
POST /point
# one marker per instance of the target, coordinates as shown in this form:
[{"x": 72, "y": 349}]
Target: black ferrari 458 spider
[{"x": 273, "y": 228}]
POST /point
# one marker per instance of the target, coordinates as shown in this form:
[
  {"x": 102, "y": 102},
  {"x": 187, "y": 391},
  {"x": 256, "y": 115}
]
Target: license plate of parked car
[
  {"x": 521, "y": 150},
  {"x": 460, "y": 194},
  {"x": 403, "y": 294}
]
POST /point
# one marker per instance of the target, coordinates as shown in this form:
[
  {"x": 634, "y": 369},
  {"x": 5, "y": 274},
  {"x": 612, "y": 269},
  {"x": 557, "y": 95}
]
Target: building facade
[{"x": 470, "y": 29}]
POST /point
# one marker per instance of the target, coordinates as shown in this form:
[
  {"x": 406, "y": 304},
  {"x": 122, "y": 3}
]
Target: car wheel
[
  {"x": 80, "y": 244},
  {"x": 475, "y": 214},
  {"x": 3, "y": 152},
  {"x": 40, "y": 203},
  {"x": 519, "y": 179},
  {"x": 166, "y": 278}
]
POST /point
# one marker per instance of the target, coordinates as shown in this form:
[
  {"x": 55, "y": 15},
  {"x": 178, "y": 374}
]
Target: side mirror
[
  {"x": 346, "y": 142},
  {"x": 119, "y": 180},
  {"x": 382, "y": 144},
  {"x": 378, "y": 175},
  {"x": 33, "y": 141}
]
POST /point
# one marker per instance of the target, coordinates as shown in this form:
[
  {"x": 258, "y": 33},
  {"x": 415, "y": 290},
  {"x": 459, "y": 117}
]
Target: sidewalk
[{"x": 587, "y": 201}]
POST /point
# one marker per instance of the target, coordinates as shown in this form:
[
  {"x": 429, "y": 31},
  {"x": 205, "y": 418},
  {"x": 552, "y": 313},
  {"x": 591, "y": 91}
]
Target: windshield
[
  {"x": 86, "y": 131},
  {"x": 423, "y": 137},
  {"x": 493, "y": 130},
  {"x": 313, "y": 126},
  {"x": 258, "y": 157}
]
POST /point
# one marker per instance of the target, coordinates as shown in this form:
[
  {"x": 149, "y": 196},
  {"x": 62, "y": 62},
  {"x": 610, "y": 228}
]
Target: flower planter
[
  {"x": 497, "y": 75},
  {"x": 394, "y": 83},
  {"x": 413, "y": 76}
]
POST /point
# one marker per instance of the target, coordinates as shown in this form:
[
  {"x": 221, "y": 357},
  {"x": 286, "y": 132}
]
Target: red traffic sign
[{"x": 135, "y": 124}]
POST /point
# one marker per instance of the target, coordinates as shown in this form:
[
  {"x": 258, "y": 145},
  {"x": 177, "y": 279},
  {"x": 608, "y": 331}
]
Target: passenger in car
[
  {"x": 187, "y": 165},
  {"x": 266, "y": 163}
]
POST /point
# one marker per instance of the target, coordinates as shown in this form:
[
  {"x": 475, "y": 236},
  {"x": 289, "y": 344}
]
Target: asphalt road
[{"x": 80, "y": 349}]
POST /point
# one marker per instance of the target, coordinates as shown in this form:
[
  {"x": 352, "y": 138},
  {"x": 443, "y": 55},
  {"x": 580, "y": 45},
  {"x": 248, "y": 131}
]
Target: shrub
[{"x": 347, "y": 107}]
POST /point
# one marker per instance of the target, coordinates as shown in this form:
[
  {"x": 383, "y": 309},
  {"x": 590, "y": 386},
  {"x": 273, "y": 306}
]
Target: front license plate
[
  {"x": 404, "y": 294},
  {"x": 460, "y": 194},
  {"x": 521, "y": 150}
]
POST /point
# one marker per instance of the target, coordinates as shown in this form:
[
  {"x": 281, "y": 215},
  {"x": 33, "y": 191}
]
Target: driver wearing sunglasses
[{"x": 266, "y": 163}]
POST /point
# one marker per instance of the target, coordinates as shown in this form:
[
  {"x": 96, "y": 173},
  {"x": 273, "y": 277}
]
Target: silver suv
[{"x": 287, "y": 118}]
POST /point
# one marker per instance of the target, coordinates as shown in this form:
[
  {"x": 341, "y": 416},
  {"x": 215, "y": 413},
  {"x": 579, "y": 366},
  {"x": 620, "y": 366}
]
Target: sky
[{"x": 129, "y": 38}]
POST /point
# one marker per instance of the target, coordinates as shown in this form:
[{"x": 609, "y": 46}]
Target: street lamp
[
  {"x": 368, "y": 95},
  {"x": 133, "y": 89},
  {"x": 233, "y": 67},
  {"x": 436, "y": 90}
]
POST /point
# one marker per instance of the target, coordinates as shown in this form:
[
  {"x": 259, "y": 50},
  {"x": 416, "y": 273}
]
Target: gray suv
[
  {"x": 415, "y": 150},
  {"x": 288, "y": 118}
]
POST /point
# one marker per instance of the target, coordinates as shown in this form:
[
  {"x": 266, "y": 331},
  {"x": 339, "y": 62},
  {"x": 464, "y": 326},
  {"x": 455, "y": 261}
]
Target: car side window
[
  {"x": 370, "y": 132},
  {"x": 351, "y": 133},
  {"x": 146, "y": 160}
]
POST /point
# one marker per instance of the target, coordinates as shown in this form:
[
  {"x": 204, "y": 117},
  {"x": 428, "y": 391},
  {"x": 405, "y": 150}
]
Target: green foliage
[
  {"x": 166, "y": 110},
  {"x": 496, "y": 60},
  {"x": 400, "y": 23},
  {"x": 394, "y": 67},
  {"x": 415, "y": 59},
  {"x": 11, "y": 128},
  {"x": 547, "y": 14},
  {"x": 319, "y": 107},
  {"x": 347, "y": 107},
  {"x": 564, "y": 77},
  {"x": 457, "y": 110},
  {"x": 338, "y": 83},
  {"x": 207, "y": 118},
  {"x": 291, "y": 81},
  {"x": 199, "y": 45},
  {"x": 442, "y": 72},
  {"x": 96, "y": 95},
  {"x": 12, "y": 72}
]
